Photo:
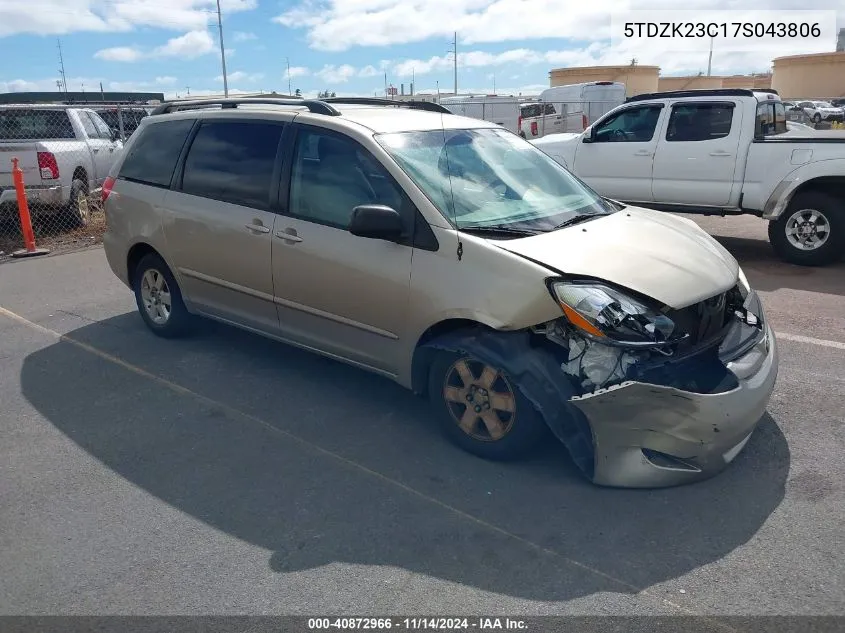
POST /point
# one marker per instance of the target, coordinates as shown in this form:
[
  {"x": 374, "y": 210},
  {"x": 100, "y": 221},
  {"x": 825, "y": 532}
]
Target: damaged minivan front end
[
  {"x": 641, "y": 394},
  {"x": 670, "y": 395}
]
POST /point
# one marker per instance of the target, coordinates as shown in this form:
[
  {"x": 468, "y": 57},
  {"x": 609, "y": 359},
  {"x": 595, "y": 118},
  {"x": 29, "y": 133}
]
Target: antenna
[
  {"x": 287, "y": 65},
  {"x": 455, "y": 52},
  {"x": 62, "y": 66},
  {"x": 222, "y": 51}
]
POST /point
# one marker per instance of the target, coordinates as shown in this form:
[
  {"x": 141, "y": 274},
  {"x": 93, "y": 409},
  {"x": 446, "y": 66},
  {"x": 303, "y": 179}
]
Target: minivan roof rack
[
  {"x": 317, "y": 107},
  {"x": 414, "y": 105},
  {"x": 717, "y": 92}
]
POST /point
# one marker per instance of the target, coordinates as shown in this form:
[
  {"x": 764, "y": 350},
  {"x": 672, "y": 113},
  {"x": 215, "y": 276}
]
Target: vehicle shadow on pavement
[
  {"x": 311, "y": 509},
  {"x": 768, "y": 273}
]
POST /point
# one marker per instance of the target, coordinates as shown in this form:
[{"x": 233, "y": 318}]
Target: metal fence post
[{"x": 120, "y": 123}]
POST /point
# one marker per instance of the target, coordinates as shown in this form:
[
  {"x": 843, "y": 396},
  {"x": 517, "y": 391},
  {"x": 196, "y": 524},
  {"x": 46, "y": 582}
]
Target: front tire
[
  {"x": 159, "y": 298},
  {"x": 480, "y": 408},
  {"x": 811, "y": 231},
  {"x": 817, "y": 118}
]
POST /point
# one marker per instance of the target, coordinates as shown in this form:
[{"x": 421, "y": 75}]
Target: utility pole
[
  {"x": 710, "y": 58},
  {"x": 494, "y": 83},
  {"x": 287, "y": 65},
  {"x": 62, "y": 66},
  {"x": 455, "y": 44},
  {"x": 222, "y": 51}
]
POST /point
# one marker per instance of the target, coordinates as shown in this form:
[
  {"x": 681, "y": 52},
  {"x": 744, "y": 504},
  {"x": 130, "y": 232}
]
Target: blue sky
[{"x": 344, "y": 46}]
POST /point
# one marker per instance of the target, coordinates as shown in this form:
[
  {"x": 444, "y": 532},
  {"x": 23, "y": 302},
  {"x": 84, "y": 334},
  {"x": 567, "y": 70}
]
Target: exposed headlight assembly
[{"x": 608, "y": 316}]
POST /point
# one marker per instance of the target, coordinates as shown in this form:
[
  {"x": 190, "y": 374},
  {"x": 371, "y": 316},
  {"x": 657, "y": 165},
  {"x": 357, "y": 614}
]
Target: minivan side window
[
  {"x": 699, "y": 121},
  {"x": 325, "y": 187},
  {"x": 632, "y": 125},
  {"x": 233, "y": 161},
  {"x": 153, "y": 157}
]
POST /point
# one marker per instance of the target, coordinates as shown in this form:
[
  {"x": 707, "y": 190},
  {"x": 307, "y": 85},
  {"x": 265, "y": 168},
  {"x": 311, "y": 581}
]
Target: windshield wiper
[
  {"x": 581, "y": 217},
  {"x": 497, "y": 228}
]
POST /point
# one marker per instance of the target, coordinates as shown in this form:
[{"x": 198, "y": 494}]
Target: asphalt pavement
[{"x": 225, "y": 474}]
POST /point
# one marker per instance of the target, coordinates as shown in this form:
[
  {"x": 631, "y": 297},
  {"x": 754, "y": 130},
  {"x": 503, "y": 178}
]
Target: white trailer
[{"x": 499, "y": 109}]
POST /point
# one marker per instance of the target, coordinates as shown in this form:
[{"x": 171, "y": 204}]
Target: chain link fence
[{"x": 64, "y": 154}]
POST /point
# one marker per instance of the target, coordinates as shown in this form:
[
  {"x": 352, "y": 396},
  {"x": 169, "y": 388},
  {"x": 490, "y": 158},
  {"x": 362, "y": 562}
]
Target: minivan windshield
[{"x": 488, "y": 177}]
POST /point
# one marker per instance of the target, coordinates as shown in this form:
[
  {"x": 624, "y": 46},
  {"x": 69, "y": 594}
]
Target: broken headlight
[{"x": 608, "y": 316}]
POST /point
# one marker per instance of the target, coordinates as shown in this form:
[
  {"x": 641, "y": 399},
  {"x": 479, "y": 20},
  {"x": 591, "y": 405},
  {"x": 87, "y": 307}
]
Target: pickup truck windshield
[
  {"x": 29, "y": 124},
  {"x": 491, "y": 177}
]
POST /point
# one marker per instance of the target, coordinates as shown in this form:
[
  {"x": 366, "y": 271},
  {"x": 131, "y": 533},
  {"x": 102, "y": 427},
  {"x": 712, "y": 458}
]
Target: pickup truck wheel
[
  {"x": 481, "y": 409},
  {"x": 811, "y": 231},
  {"x": 78, "y": 210},
  {"x": 159, "y": 298},
  {"x": 817, "y": 118}
]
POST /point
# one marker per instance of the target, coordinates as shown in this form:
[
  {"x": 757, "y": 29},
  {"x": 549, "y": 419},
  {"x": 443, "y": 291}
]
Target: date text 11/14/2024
[{"x": 418, "y": 623}]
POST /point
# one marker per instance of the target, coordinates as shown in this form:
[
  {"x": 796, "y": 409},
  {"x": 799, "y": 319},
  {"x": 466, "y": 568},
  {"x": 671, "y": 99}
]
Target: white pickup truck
[
  {"x": 718, "y": 152},
  {"x": 64, "y": 153}
]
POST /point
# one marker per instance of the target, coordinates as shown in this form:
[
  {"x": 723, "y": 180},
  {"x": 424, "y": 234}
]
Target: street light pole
[
  {"x": 710, "y": 58},
  {"x": 287, "y": 64},
  {"x": 222, "y": 52}
]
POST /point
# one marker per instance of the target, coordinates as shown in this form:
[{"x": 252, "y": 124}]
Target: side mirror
[
  {"x": 590, "y": 136},
  {"x": 376, "y": 221},
  {"x": 115, "y": 135}
]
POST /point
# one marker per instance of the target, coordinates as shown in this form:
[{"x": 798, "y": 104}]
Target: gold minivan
[{"x": 458, "y": 259}]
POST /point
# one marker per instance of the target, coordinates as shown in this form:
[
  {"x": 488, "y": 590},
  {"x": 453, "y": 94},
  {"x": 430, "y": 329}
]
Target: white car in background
[{"x": 822, "y": 111}]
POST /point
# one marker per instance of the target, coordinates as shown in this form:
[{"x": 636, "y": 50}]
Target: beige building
[
  {"x": 820, "y": 76},
  {"x": 637, "y": 79}
]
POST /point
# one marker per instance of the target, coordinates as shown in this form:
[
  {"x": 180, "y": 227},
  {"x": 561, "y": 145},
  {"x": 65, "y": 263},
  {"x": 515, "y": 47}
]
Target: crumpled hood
[{"x": 663, "y": 256}]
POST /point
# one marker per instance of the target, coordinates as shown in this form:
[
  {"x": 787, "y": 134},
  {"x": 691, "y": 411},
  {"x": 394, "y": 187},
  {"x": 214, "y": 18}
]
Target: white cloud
[
  {"x": 336, "y": 74},
  {"x": 119, "y": 54},
  {"x": 241, "y": 36},
  {"x": 165, "y": 81},
  {"x": 337, "y": 25},
  {"x": 296, "y": 71},
  {"x": 57, "y": 17},
  {"x": 369, "y": 71},
  {"x": 242, "y": 76},
  {"x": 191, "y": 45}
]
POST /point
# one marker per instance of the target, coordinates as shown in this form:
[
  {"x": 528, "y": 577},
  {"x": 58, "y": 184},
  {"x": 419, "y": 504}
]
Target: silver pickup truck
[{"x": 65, "y": 153}]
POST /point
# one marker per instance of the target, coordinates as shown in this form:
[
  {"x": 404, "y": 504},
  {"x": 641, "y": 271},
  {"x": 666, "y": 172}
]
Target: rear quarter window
[
  {"x": 152, "y": 158},
  {"x": 27, "y": 123}
]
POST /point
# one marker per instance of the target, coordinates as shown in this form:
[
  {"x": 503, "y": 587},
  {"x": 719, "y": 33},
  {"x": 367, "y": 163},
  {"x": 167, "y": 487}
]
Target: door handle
[
  {"x": 289, "y": 235},
  {"x": 642, "y": 152},
  {"x": 720, "y": 153},
  {"x": 96, "y": 150},
  {"x": 111, "y": 149},
  {"x": 258, "y": 228}
]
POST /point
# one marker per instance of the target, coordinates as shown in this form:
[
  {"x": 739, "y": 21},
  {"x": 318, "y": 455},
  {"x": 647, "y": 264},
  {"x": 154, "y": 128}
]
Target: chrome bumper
[
  {"x": 47, "y": 196},
  {"x": 648, "y": 435}
]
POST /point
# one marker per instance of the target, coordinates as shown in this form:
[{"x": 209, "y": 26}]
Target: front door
[
  {"x": 219, "y": 220},
  {"x": 101, "y": 144},
  {"x": 618, "y": 163},
  {"x": 696, "y": 164},
  {"x": 336, "y": 292}
]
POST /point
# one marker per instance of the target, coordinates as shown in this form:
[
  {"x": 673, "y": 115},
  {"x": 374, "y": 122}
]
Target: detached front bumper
[{"x": 648, "y": 435}]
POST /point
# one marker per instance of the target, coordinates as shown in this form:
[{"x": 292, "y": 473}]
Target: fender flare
[{"x": 785, "y": 190}]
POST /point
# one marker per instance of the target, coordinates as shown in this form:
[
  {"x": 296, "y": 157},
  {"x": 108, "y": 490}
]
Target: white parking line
[{"x": 797, "y": 338}]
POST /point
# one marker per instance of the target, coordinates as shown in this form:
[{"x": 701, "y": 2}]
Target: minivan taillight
[
  {"x": 48, "y": 166},
  {"x": 108, "y": 183}
]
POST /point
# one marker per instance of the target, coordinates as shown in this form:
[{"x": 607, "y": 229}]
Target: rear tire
[
  {"x": 817, "y": 118},
  {"x": 483, "y": 413},
  {"x": 159, "y": 298},
  {"x": 78, "y": 209},
  {"x": 811, "y": 230}
]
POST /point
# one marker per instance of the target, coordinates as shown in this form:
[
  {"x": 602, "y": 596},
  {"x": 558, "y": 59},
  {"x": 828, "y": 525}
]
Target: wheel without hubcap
[
  {"x": 481, "y": 409},
  {"x": 807, "y": 229},
  {"x": 480, "y": 400},
  {"x": 811, "y": 231}
]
